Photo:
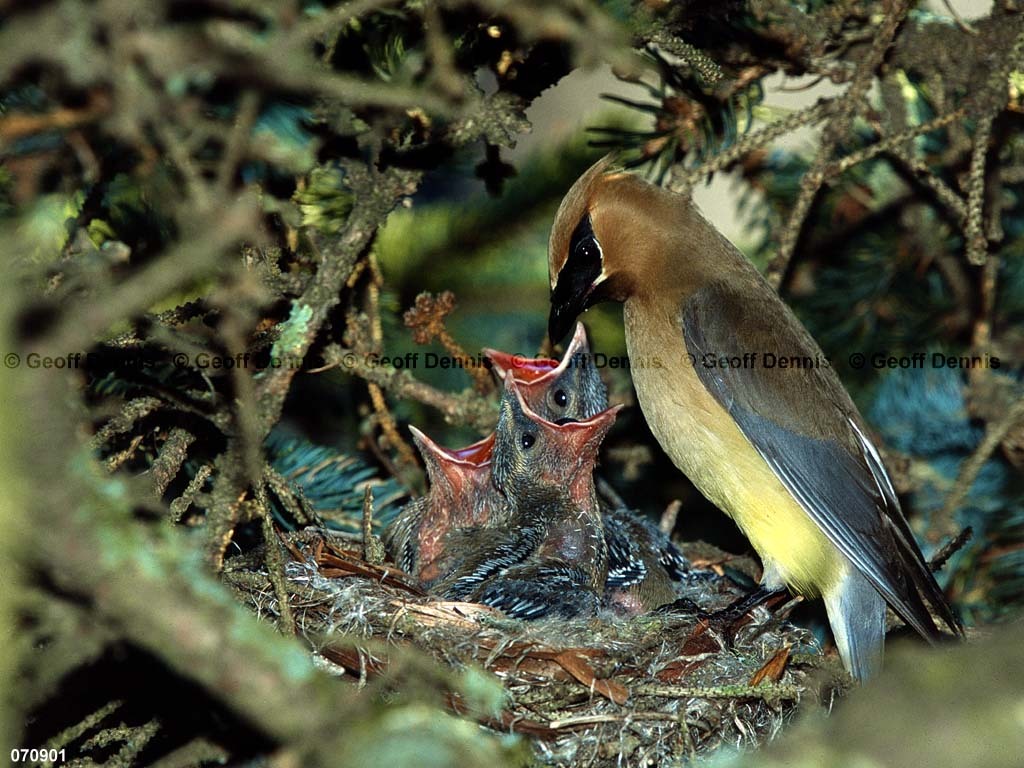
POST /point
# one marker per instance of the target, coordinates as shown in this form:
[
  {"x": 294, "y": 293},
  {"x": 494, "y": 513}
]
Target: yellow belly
[{"x": 704, "y": 442}]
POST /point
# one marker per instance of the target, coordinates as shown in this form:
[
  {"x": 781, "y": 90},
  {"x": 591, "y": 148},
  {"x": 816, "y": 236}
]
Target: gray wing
[
  {"x": 804, "y": 425},
  {"x": 625, "y": 564},
  {"x": 482, "y": 553},
  {"x": 547, "y": 588}
]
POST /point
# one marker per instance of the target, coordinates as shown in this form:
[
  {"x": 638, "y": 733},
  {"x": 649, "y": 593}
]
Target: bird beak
[
  {"x": 564, "y": 310},
  {"x": 569, "y": 300},
  {"x": 582, "y": 441},
  {"x": 535, "y": 370},
  {"x": 453, "y": 468},
  {"x": 577, "y": 346},
  {"x": 511, "y": 388},
  {"x": 583, "y": 438},
  {"x": 478, "y": 453},
  {"x": 526, "y": 369}
]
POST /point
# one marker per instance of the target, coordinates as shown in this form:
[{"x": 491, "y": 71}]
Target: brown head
[
  {"x": 616, "y": 236},
  {"x": 570, "y": 389}
]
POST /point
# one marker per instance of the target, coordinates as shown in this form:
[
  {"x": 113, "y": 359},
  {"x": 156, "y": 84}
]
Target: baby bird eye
[
  {"x": 527, "y": 440},
  {"x": 561, "y": 398}
]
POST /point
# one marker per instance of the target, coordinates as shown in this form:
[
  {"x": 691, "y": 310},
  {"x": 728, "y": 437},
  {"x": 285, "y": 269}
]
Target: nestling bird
[
  {"x": 643, "y": 563},
  {"x": 551, "y": 557},
  {"x": 556, "y": 390},
  {"x": 781, "y": 450},
  {"x": 461, "y": 495}
]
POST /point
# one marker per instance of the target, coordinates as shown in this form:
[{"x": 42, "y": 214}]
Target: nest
[{"x": 600, "y": 691}]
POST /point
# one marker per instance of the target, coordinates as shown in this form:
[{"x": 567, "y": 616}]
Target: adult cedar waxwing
[
  {"x": 551, "y": 558},
  {"x": 461, "y": 495},
  {"x": 643, "y": 563},
  {"x": 782, "y": 450}
]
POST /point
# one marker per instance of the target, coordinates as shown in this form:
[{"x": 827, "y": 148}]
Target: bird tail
[{"x": 857, "y": 614}]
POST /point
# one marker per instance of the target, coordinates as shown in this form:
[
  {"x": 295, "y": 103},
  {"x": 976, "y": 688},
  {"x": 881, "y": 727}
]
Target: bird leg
[
  {"x": 737, "y": 609},
  {"x": 724, "y": 620}
]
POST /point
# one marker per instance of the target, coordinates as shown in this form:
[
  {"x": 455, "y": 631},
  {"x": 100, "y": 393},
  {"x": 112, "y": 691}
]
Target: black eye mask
[{"x": 581, "y": 269}]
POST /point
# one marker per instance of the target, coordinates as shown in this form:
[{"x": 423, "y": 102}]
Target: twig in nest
[
  {"x": 275, "y": 563},
  {"x": 339, "y": 563},
  {"x": 275, "y": 566},
  {"x": 133, "y": 738},
  {"x": 610, "y": 494},
  {"x": 769, "y": 692},
  {"x": 426, "y": 319},
  {"x": 667, "y": 523},
  {"x": 574, "y": 722},
  {"x": 87, "y": 723},
  {"x": 951, "y": 547}
]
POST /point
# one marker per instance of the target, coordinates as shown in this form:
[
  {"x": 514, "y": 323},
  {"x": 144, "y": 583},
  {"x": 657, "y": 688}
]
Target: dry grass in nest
[{"x": 599, "y": 691}]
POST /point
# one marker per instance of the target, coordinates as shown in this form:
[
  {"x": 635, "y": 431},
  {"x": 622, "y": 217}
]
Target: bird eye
[
  {"x": 588, "y": 249},
  {"x": 561, "y": 398},
  {"x": 527, "y": 440}
]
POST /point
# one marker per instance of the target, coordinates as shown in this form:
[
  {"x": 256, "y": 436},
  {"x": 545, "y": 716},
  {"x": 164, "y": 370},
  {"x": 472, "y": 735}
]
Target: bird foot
[
  {"x": 723, "y": 621},
  {"x": 737, "y": 609}
]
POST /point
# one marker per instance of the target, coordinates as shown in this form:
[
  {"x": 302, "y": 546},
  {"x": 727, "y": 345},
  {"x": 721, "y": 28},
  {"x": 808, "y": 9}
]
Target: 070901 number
[{"x": 37, "y": 755}]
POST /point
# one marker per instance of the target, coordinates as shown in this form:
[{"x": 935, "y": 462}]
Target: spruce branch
[{"x": 847, "y": 107}]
